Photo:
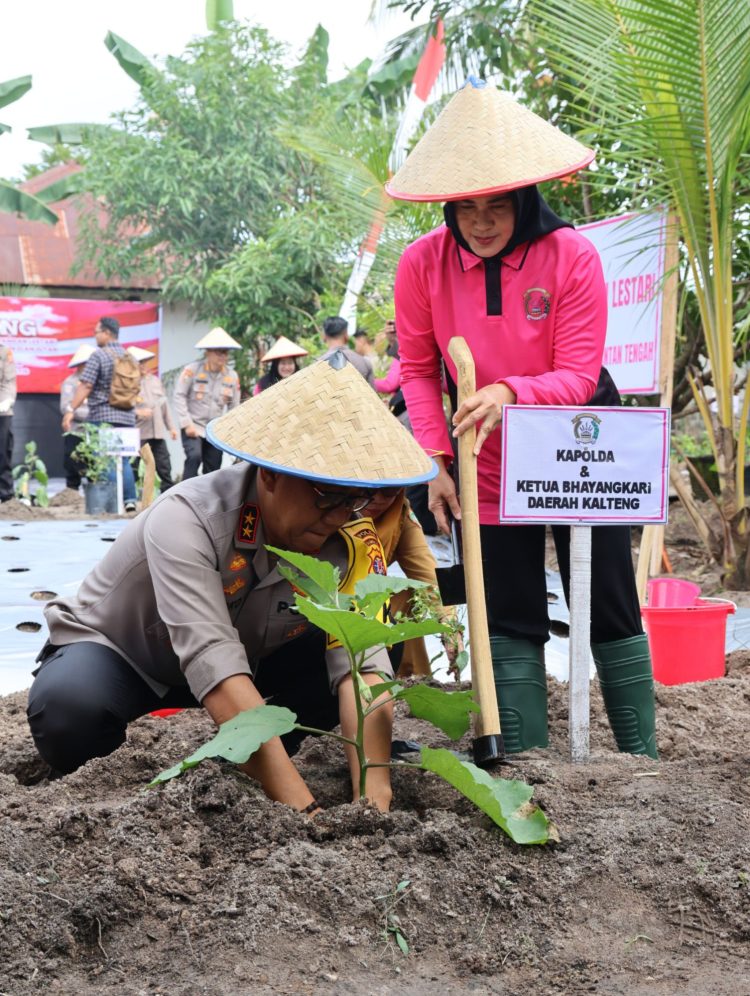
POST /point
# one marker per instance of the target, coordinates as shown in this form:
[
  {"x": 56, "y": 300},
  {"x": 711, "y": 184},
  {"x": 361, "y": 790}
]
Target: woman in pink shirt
[{"x": 527, "y": 293}]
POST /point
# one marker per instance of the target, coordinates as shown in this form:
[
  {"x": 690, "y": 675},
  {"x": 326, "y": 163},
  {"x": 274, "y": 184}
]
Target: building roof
[{"x": 33, "y": 252}]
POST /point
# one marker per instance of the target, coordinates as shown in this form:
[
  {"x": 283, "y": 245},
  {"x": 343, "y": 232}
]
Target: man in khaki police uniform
[
  {"x": 7, "y": 400},
  {"x": 153, "y": 417},
  {"x": 73, "y": 436},
  {"x": 188, "y": 606},
  {"x": 205, "y": 390}
]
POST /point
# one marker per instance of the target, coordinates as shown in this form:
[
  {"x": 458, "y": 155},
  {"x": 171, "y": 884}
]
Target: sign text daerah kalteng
[{"x": 594, "y": 465}]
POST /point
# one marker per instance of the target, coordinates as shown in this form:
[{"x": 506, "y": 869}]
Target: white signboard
[
  {"x": 123, "y": 441},
  {"x": 632, "y": 249},
  {"x": 596, "y": 466}
]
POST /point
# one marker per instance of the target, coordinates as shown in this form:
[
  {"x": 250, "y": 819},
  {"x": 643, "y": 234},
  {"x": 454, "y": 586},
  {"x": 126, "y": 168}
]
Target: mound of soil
[{"x": 203, "y": 886}]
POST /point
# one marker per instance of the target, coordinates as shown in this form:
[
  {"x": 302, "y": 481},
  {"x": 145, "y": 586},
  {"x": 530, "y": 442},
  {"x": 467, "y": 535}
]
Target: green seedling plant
[
  {"x": 91, "y": 453},
  {"x": 356, "y": 622},
  {"x": 425, "y": 604},
  {"x": 32, "y": 469},
  {"x": 392, "y": 927}
]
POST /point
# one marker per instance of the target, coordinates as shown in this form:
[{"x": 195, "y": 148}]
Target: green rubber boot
[
  {"x": 521, "y": 685},
  {"x": 627, "y": 684}
]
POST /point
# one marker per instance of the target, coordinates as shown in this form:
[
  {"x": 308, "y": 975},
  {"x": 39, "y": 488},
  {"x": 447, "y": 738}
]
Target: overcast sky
[{"x": 61, "y": 44}]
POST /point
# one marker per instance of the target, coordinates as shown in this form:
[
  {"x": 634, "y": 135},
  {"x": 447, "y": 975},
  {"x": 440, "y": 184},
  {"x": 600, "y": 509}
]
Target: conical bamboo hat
[
  {"x": 217, "y": 339},
  {"x": 81, "y": 355},
  {"x": 282, "y": 349},
  {"x": 484, "y": 142},
  {"x": 140, "y": 354},
  {"x": 326, "y": 424}
]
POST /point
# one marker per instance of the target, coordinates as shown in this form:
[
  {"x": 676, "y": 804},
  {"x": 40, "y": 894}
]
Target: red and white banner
[
  {"x": 45, "y": 332},
  {"x": 427, "y": 73}
]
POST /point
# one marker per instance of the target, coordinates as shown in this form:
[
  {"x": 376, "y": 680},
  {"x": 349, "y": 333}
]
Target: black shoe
[
  {"x": 130, "y": 506},
  {"x": 401, "y": 749}
]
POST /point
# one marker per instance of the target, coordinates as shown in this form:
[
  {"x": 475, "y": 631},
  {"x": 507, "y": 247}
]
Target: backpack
[{"x": 126, "y": 382}]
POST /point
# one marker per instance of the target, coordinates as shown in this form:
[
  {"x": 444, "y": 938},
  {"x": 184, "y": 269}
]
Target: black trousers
[
  {"x": 516, "y": 591},
  {"x": 199, "y": 451},
  {"x": 71, "y": 465},
  {"x": 84, "y": 695},
  {"x": 160, "y": 451},
  {"x": 6, "y": 457}
]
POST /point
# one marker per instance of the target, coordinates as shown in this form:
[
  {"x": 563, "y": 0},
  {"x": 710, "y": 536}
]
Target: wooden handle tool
[{"x": 488, "y": 741}]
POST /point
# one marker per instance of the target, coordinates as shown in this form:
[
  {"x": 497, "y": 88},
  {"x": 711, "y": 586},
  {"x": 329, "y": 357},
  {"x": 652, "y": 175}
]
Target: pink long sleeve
[
  {"x": 392, "y": 380},
  {"x": 546, "y": 344}
]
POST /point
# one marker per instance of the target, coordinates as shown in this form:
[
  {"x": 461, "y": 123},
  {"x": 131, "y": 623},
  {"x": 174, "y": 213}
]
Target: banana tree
[
  {"x": 663, "y": 88},
  {"x": 12, "y": 199}
]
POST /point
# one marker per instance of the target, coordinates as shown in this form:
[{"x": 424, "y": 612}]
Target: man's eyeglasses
[{"x": 327, "y": 501}]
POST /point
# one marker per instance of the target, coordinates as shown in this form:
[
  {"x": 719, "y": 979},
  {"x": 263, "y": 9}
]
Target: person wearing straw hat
[
  {"x": 153, "y": 417},
  {"x": 205, "y": 389},
  {"x": 72, "y": 437},
  {"x": 527, "y": 293},
  {"x": 8, "y": 392},
  {"x": 188, "y": 607},
  {"x": 282, "y": 356}
]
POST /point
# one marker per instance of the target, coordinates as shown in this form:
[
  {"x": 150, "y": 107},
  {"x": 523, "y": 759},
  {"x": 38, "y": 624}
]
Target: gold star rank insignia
[{"x": 247, "y": 526}]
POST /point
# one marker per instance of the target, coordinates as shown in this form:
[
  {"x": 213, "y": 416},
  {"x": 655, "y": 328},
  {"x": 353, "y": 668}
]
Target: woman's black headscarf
[{"x": 534, "y": 218}]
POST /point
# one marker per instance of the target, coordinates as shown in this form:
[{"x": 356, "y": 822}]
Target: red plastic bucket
[
  {"x": 687, "y": 643},
  {"x": 667, "y": 593}
]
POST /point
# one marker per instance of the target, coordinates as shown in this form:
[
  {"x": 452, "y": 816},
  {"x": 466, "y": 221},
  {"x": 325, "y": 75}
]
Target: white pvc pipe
[{"x": 580, "y": 638}]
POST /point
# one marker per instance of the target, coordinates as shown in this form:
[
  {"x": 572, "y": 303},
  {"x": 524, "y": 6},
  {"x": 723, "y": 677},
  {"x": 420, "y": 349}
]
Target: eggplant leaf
[
  {"x": 505, "y": 801},
  {"x": 237, "y": 739}
]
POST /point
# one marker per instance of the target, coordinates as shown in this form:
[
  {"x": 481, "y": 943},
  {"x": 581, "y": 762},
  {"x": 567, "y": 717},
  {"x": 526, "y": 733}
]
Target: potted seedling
[
  {"x": 355, "y": 620},
  {"x": 97, "y": 466}
]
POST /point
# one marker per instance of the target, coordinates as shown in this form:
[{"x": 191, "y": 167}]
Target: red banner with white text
[{"x": 45, "y": 332}]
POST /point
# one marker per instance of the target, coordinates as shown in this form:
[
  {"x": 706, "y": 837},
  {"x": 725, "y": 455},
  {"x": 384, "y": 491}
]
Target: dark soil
[{"x": 205, "y": 887}]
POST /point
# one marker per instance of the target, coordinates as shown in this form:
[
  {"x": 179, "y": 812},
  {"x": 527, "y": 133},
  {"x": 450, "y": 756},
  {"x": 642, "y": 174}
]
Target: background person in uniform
[
  {"x": 72, "y": 437},
  {"x": 95, "y": 385},
  {"x": 283, "y": 357},
  {"x": 7, "y": 400},
  {"x": 336, "y": 338},
  {"x": 153, "y": 417},
  {"x": 528, "y": 294},
  {"x": 188, "y": 607},
  {"x": 205, "y": 390},
  {"x": 364, "y": 347}
]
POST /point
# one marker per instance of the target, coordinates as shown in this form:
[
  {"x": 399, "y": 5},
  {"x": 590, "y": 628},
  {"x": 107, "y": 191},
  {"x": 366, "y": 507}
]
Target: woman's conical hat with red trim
[{"x": 484, "y": 142}]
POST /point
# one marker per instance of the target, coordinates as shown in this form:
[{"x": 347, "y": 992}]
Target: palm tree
[{"x": 664, "y": 87}]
